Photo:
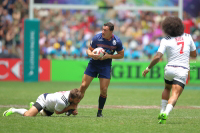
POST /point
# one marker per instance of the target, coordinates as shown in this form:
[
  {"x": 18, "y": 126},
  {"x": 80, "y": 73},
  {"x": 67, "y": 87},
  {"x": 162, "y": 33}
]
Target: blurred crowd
[
  {"x": 66, "y": 34},
  {"x": 12, "y": 12}
]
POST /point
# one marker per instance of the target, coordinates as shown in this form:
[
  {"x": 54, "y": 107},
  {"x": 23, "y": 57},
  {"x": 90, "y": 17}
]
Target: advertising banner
[
  {"x": 31, "y": 50},
  {"x": 73, "y": 70},
  {"x": 10, "y": 70},
  {"x": 44, "y": 70},
  {"x": 67, "y": 70}
]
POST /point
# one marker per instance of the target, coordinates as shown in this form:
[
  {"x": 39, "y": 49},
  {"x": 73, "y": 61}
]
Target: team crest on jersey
[{"x": 114, "y": 42}]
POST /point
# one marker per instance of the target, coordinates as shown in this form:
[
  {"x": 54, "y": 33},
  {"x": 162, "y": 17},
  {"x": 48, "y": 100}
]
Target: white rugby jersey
[
  {"x": 177, "y": 49},
  {"x": 57, "y": 101}
]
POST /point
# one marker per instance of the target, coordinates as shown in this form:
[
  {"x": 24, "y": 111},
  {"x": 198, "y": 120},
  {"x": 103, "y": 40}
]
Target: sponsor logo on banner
[
  {"x": 10, "y": 70},
  {"x": 32, "y": 53},
  {"x": 3, "y": 75}
]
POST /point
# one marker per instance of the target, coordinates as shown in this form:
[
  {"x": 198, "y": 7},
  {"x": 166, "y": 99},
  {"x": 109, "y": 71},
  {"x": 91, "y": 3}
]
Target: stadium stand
[{"x": 65, "y": 34}]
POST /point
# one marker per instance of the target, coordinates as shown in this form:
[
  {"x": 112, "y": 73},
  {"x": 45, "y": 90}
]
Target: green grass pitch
[{"x": 130, "y": 108}]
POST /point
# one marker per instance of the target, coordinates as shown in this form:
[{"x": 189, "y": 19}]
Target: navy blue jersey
[{"x": 110, "y": 47}]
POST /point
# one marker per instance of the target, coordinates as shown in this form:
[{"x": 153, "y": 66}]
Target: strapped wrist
[{"x": 147, "y": 69}]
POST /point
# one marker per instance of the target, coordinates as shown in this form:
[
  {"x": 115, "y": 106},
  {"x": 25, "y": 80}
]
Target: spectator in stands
[
  {"x": 16, "y": 16},
  {"x": 7, "y": 17},
  {"x": 1, "y": 38},
  {"x": 1, "y": 30},
  {"x": 21, "y": 5},
  {"x": 9, "y": 39}
]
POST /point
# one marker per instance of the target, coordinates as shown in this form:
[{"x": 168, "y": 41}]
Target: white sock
[
  {"x": 168, "y": 109},
  {"x": 163, "y": 105},
  {"x": 19, "y": 111}
]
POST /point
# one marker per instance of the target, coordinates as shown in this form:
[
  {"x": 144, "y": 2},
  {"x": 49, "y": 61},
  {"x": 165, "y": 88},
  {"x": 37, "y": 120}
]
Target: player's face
[
  {"x": 106, "y": 33},
  {"x": 76, "y": 101}
]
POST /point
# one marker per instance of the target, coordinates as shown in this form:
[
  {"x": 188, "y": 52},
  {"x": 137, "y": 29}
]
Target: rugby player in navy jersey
[{"x": 101, "y": 66}]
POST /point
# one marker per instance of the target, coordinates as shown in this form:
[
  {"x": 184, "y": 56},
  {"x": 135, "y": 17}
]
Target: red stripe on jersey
[{"x": 106, "y": 46}]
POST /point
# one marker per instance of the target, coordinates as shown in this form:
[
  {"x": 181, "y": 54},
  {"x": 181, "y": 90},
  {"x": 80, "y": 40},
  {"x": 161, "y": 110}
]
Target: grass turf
[{"x": 115, "y": 120}]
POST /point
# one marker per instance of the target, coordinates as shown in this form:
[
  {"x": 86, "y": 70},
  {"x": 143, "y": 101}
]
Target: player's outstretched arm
[{"x": 154, "y": 61}]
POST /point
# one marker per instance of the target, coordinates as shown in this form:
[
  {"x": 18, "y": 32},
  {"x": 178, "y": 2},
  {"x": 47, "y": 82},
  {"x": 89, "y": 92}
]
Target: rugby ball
[{"x": 99, "y": 51}]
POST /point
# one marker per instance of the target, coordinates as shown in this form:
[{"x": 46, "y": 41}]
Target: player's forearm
[
  {"x": 57, "y": 112},
  {"x": 63, "y": 111},
  {"x": 89, "y": 53},
  {"x": 71, "y": 106},
  {"x": 155, "y": 60},
  {"x": 119, "y": 55},
  {"x": 116, "y": 56}
]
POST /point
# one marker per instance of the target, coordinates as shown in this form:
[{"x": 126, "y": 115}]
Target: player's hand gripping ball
[{"x": 99, "y": 51}]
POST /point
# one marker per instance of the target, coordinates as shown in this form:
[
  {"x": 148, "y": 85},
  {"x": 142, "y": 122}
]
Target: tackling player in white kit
[
  {"x": 178, "y": 46},
  {"x": 48, "y": 103}
]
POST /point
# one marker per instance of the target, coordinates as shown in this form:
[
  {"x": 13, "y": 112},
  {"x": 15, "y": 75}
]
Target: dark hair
[
  {"x": 75, "y": 93},
  {"x": 173, "y": 26},
  {"x": 110, "y": 25}
]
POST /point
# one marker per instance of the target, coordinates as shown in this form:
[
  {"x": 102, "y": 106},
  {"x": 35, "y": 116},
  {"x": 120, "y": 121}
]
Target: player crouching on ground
[
  {"x": 48, "y": 103},
  {"x": 179, "y": 46}
]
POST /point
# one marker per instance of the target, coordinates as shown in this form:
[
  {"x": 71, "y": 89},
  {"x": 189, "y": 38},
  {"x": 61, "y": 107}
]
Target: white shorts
[
  {"x": 41, "y": 100},
  {"x": 176, "y": 73},
  {"x": 40, "y": 104}
]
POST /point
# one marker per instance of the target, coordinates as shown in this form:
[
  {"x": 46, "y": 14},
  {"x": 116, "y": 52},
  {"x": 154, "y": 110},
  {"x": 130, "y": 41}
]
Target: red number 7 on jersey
[{"x": 182, "y": 43}]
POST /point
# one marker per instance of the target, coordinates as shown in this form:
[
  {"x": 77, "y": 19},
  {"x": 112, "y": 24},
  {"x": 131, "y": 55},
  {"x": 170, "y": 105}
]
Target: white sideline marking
[
  {"x": 111, "y": 107},
  {"x": 196, "y": 106}
]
